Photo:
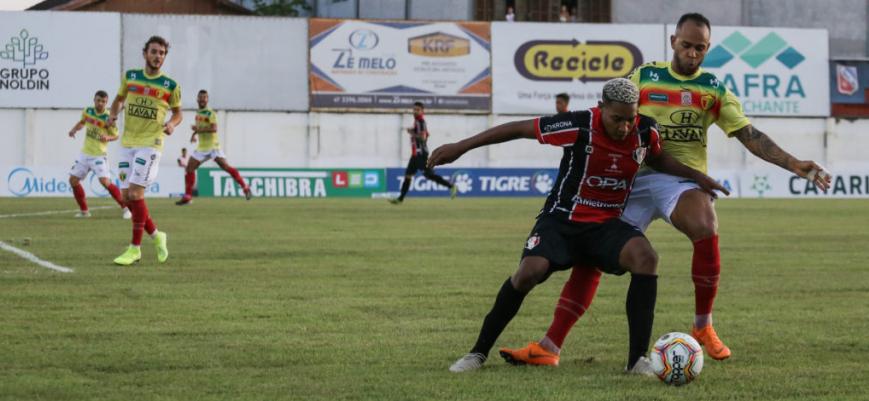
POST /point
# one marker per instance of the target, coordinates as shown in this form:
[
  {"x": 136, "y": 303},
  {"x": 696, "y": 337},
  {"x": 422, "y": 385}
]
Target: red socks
[
  {"x": 116, "y": 194},
  {"x": 575, "y": 299},
  {"x": 140, "y": 219},
  {"x": 189, "y": 181},
  {"x": 705, "y": 271},
  {"x": 236, "y": 176},
  {"x": 78, "y": 192}
]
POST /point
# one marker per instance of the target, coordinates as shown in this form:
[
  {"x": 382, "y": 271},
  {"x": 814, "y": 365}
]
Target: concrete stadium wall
[{"x": 272, "y": 139}]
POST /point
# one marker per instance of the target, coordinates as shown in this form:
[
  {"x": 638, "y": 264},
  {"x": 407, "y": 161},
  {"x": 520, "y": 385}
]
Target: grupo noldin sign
[
  {"x": 390, "y": 65},
  {"x": 532, "y": 62}
]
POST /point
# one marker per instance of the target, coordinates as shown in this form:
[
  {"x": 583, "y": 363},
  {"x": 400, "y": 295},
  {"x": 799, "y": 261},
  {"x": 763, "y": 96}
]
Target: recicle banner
[
  {"x": 292, "y": 183},
  {"x": 533, "y": 62},
  {"x": 377, "y": 65}
]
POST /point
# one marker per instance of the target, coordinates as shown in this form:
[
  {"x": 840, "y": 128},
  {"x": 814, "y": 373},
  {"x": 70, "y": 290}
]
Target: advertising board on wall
[
  {"x": 390, "y": 65},
  {"x": 57, "y": 60},
  {"x": 293, "y": 183},
  {"x": 773, "y": 71},
  {"x": 48, "y": 181},
  {"x": 532, "y": 62},
  {"x": 488, "y": 182}
]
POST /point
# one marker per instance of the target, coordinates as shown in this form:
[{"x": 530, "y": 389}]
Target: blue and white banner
[
  {"x": 489, "y": 182},
  {"x": 43, "y": 181}
]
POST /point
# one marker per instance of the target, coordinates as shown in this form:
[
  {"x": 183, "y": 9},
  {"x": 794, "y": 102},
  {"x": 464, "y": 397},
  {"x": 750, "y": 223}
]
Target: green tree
[{"x": 286, "y": 8}]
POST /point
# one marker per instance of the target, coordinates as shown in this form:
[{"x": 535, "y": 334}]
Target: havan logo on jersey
[{"x": 143, "y": 108}]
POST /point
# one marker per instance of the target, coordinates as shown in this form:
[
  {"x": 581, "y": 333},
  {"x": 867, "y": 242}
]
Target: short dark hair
[
  {"x": 101, "y": 93},
  {"x": 563, "y": 96},
  {"x": 698, "y": 18},
  {"x": 158, "y": 40},
  {"x": 201, "y": 91},
  {"x": 419, "y": 104}
]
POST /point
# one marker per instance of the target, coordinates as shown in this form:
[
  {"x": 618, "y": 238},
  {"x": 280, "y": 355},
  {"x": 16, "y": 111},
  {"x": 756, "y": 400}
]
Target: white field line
[
  {"x": 8, "y": 216},
  {"x": 31, "y": 257}
]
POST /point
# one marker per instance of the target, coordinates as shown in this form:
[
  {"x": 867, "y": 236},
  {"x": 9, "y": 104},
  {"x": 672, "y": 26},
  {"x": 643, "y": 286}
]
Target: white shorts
[
  {"x": 653, "y": 196},
  {"x": 85, "y": 164},
  {"x": 138, "y": 166},
  {"x": 203, "y": 157}
]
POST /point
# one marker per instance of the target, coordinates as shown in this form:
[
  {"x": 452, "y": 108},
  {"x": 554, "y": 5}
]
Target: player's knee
[
  {"x": 640, "y": 258},
  {"x": 105, "y": 182},
  {"x": 73, "y": 180},
  {"x": 529, "y": 275}
]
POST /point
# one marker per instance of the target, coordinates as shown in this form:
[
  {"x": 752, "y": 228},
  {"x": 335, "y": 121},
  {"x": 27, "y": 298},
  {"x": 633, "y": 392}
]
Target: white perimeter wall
[{"x": 37, "y": 137}]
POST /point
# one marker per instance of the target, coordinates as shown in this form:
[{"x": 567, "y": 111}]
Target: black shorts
[
  {"x": 566, "y": 244},
  {"x": 416, "y": 163}
]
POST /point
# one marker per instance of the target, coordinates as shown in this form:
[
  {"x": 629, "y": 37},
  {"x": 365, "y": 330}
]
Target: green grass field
[{"x": 361, "y": 300}]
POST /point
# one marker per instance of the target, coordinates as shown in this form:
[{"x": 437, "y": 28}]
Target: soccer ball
[{"x": 677, "y": 358}]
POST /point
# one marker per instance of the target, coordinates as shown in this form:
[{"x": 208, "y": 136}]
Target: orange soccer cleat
[
  {"x": 707, "y": 337},
  {"x": 533, "y": 354}
]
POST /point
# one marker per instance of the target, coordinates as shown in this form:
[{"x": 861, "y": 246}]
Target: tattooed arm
[{"x": 765, "y": 148}]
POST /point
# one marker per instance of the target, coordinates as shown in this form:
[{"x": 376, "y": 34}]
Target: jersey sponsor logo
[
  {"x": 614, "y": 167},
  {"x": 596, "y": 204},
  {"x": 683, "y": 134},
  {"x": 558, "y": 125},
  {"x": 140, "y": 161},
  {"x": 659, "y": 97},
  {"x": 142, "y": 107},
  {"x": 611, "y": 183},
  {"x": 532, "y": 242},
  {"x": 566, "y": 60},
  {"x": 439, "y": 44},
  {"x": 685, "y": 117},
  {"x": 686, "y": 98}
]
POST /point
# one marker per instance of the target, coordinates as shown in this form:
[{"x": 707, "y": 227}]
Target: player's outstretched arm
[
  {"x": 665, "y": 163},
  {"x": 117, "y": 105},
  {"x": 765, "y": 148},
  {"x": 79, "y": 125},
  {"x": 173, "y": 122},
  {"x": 505, "y": 132}
]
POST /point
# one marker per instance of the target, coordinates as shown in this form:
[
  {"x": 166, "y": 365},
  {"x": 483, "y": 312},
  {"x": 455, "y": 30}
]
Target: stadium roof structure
[{"x": 135, "y": 6}]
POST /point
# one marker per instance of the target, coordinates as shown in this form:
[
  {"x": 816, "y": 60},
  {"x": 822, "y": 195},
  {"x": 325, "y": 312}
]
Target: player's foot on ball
[
  {"x": 642, "y": 366},
  {"x": 130, "y": 256},
  {"x": 127, "y": 214},
  {"x": 708, "y": 338},
  {"x": 82, "y": 214},
  {"x": 454, "y": 190},
  {"x": 160, "y": 245},
  {"x": 247, "y": 194},
  {"x": 471, "y": 361},
  {"x": 395, "y": 201},
  {"x": 533, "y": 354},
  {"x": 185, "y": 200}
]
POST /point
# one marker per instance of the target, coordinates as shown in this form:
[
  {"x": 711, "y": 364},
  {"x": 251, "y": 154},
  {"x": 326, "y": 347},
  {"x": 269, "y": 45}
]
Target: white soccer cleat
[
  {"x": 127, "y": 214},
  {"x": 642, "y": 367},
  {"x": 472, "y": 361},
  {"x": 84, "y": 214}
]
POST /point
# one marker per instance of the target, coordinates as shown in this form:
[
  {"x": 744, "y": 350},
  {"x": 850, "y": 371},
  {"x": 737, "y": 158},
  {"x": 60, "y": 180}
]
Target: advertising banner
[
  {"x": 293, "y": 183},
  {"x": 390, "y": 65},
  {"x": 773, "y": 71},
  {"x": 245, "y": 63},
  {"x": 45, "y": 181},
  {"x": 533, "y": 62},
  {"x": 58, "y": 60},
  {"x": 782, "y": 184},
  {"x": 489, "y": 182}
]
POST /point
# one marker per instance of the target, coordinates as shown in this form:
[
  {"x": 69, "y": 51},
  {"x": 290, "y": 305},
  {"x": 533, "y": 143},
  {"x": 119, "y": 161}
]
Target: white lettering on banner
[
  {"x": 851, "y": 185},
  {"x": 265, "y": 183},
  {"x": 51, "y": 181},
  {"x": 505, "y": 184}
]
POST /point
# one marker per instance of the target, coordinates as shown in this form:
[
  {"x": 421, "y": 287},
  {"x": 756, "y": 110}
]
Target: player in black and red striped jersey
[
  {"x": 419, "y": 156},
  {"x": 579, "y": 224}
]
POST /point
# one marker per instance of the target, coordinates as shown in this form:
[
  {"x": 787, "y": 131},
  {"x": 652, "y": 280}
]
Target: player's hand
[
  {"x": 111, "y": 121},
  {"x": 445, "y": 154},
  {"x": 804, "y": 169},
  {"x": 193, "y": 127},
  {"x": 72, "y": 134},
  {"x": 709, "y": 185},
  {"x": 104, "y": 138},
  {"x": 168, "y": 128}
]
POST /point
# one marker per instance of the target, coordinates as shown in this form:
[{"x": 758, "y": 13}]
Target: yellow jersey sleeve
[
  {"x": 175, "y": 97},
  {"x": 731, "y": 117},
  {"x": 122, "y": 91},
  {"x": 84, "y": 115},
  {"x": 635, "y": 76}
]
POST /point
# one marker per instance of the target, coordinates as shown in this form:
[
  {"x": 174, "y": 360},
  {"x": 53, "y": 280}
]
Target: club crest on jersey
[
  {"x": 686, "y": 98},
  {"x": 639, "y": 155},
  {"x": 707, "y": 101},
  {"x": 532, "y": 242}
]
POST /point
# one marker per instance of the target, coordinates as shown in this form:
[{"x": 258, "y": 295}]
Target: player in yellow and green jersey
[
  {"x": 149, "y": 95},
  {"x": 209, "y": 148},
  {"x": 93, "y": 153},
  {"x": 684, "y": 100}
]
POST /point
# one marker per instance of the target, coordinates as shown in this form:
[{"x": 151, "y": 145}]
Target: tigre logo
[
  {"x": 566, "y": 60},
  {"x": 439, "y": 44}
]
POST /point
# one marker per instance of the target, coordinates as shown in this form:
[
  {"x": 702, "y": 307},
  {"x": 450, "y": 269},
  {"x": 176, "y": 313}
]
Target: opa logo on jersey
[{"x": 606, "y": 183}]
